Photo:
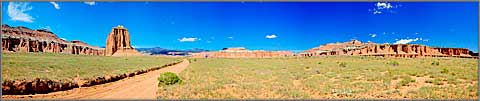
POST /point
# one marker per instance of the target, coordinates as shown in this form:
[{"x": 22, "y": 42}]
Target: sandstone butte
[
  {"x": 118, "y": 43},
  {"x": 22, "y": 39},
  {"x": 355, "y": 47}
]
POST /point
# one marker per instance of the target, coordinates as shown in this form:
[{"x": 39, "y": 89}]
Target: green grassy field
[
  {"x": 334, "y": 77},
  {"x": 66, "y": 66}
]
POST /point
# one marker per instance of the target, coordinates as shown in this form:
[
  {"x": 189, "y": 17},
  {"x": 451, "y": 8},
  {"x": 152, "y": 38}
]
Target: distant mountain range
[{"x": 164, "y": 51}]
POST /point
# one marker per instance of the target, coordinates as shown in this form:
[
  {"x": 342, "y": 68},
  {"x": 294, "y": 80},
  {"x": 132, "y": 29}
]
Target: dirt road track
[{"x": 143, "y": 86}]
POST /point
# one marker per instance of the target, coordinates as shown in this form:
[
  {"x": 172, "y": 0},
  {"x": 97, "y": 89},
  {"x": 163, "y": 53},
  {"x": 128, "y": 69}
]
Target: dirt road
[{"x": 143, "y": 86}]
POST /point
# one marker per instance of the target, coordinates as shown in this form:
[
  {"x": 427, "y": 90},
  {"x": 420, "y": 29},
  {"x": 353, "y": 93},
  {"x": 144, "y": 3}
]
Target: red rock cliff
[
  {"x": 385, "y": 50},
  {"x": 22, "y": 39}
]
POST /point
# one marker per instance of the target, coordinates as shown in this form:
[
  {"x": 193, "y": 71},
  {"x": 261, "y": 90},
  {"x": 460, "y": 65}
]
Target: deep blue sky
[{"x": 297, "y": 26}]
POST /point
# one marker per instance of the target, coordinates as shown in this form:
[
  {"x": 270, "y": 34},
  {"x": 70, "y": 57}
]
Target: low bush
[
  {"x": 342, "y": 64},
  {"x": 437, "y": 81},
  {"x": 406, "y": 80},
  {"x": 429, "y": 81},
  {"x": 452, "y": 80},
  {"x": 444, "y": 71},
  {"x": 393, "y": 63},
  {"x": 192, "y": 60},
  {"x": 435, "y": 63},
  {"x": 307, "y": 68},
  {"x": 168, "y": 78}
]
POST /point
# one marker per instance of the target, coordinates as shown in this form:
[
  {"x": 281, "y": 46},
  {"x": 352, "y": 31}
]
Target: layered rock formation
[
  {"x": 22, "y": 39},
  {"x": 240, "y": 52},
  {"x": 355, "y": 47},
  {"x": 118, "y": 43}
]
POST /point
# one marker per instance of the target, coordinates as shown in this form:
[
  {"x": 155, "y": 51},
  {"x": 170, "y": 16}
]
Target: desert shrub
[
  {"x": 429, "y": 81},
  {"x": 412, "y": 74},
  {"x": 393, "y": 63},
  {"x": 342, "y": 64},
  {"x": 435, "y": 63},
  {"x": 406, "y": 80},
  {"x": 437, "y": 81},
  {"x": 342, "y": 92},
  {"x": 319, "y": 63},
  {"x": 191, "y": 60},
  {"x": 317, "y": 71},
  {"x": 168, "y": 78},
  {"x": 452, "y": 80},
  {"x": 453, "y": 73},
  {"x": 444, "y": 71},
  {"x": 307, "y": 67}
]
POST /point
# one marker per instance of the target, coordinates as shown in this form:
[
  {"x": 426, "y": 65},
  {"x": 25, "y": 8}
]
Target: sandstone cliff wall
[
  {"x": 22, "y": 39},
  {"x": 387, "y": 50}
]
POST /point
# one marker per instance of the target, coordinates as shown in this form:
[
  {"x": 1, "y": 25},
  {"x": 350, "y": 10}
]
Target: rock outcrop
[
  {"x": 118, "y": 43},
  {"x": 240, "y": 52},
  {"x": 22, "y": 39},
  {"x": 355, "y": 47}
]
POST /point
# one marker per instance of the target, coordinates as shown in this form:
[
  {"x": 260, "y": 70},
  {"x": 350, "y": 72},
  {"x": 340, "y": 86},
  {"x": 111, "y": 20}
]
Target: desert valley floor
[
  {"x": 323, "y": 77},
  {"x": 240, "y": 50}
]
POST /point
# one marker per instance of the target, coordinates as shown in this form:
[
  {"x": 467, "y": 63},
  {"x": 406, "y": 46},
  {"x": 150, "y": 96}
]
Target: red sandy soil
[{"x": 143, "y": 86}]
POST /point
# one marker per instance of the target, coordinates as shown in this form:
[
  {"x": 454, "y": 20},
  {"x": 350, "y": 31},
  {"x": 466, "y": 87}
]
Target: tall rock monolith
[{"x": 118, "y": 43}]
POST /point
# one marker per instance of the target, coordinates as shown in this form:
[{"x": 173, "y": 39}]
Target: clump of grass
[
  {"x": 406, "y": 80},
  {"x": 453, "y": 73},
  {"x": 342, "y": 64},
  {"x": 435, "y": 63},
  {"x": 342, "y": 92},
  {"x": 421, "y": 74},
  {"x": 192, "y": 60},
  {"x": 413, "y": 74},
  {"x": 444, "y": 71},
  {"x": 435, "y": 81},
  {"x": 429, "y": 81},
  {"x": 396, "y": 91},
  {"x": 452, "y": 80},
  {"x": 393, "y": 63},
  {"x": 438, "y": 82},
  {"x": 319, "y": 63},
  {"x": 168, "y": 78}
]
